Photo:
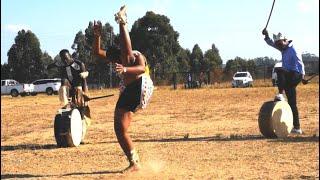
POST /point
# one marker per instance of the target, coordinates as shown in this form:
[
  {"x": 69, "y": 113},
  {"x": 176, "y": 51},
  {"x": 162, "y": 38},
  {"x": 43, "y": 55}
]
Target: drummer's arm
[
  {"x": 84, "y": 74},
  {"x": 85, "y": 86}
]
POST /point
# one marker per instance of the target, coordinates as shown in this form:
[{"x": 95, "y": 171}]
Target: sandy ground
[{"x": 205, "y": 133}]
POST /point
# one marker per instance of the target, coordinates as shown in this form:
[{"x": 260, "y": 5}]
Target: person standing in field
[
  {"x": 289, "y": 75},
  {"x": 136, "y": 87}
]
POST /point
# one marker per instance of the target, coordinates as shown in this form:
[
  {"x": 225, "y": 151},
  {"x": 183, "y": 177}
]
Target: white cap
[{"x": 278, "y": 37}]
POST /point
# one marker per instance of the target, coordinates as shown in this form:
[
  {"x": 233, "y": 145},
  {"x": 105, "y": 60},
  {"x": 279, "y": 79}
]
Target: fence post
[
  {"x": 264, "y": 73},
  {"x": 110, "y": 75},
  {"x": 174, "y": 80}
]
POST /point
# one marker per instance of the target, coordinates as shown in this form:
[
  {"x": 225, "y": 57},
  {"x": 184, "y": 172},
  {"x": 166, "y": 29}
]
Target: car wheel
[
  {"x": 14, "y": 93},
  {"x": 49, "y": 91}
]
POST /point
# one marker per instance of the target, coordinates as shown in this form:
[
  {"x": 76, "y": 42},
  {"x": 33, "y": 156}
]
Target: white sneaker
[
  {"x": 296, "y": 131},
  {"x": 279, "y": 97}
]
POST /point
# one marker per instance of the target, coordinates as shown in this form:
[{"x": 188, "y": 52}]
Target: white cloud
[{"x": 14, "y": 28}]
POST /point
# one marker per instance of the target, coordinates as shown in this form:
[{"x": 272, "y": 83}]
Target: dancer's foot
[
  {"x": 134, "y": 161},
  {"x": 121, "y": 16},
  {"x": 133, "y": 167}
]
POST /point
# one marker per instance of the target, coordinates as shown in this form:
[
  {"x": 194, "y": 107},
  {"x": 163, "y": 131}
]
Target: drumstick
[{"x": 98, "y": 97}]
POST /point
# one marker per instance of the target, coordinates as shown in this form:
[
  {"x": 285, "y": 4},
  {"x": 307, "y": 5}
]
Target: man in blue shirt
[{"x": 290, "y": 75}]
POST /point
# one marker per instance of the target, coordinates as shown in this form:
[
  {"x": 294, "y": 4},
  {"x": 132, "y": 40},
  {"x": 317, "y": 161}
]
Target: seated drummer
[
  {"x": 73, "y": 78},
  {"x": 74, "y": 75}
]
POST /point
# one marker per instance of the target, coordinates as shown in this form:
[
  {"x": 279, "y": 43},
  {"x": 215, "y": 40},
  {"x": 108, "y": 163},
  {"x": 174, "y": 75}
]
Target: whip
[{"x": 270, "y": 13}]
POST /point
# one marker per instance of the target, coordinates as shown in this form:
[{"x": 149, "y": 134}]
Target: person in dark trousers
[
  {"x": 136, "y": 86},
  {"x": 189, "y": 80},
  {"x": 289, "y": 75},
  {"x": 174, "y": 79},
  {"x": 73, "y": 85}
]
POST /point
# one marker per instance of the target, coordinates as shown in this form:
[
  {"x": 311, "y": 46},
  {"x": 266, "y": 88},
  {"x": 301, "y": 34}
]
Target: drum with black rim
[
  {"x": 68, "y": 127},
  {"x": 275, "y": 119}
]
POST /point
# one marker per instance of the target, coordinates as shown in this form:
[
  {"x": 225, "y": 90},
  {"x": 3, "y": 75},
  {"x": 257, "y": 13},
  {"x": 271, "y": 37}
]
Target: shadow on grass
[
  {"x": 297, "y": 139},
  {"x": 209, "y": 138},
  {"x": 28, "y": 147},
  {"x": 236, "y": 137},
  {"x": 17, "y": 176},
  {"x": 92, "y": 173}
]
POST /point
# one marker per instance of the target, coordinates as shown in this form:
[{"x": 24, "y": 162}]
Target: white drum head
[
  {"x": 282, "y": 119},
  {"x": 76, "y": 127}
]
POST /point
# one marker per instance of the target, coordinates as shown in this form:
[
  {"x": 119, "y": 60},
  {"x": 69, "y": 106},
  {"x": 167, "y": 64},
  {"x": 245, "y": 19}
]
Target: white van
[
  {"x": 14, "y": 88},
  {"x": 242, "y": 79},
  {"x": 274, "y": 74},
  {"x": 48, "y": 86}
]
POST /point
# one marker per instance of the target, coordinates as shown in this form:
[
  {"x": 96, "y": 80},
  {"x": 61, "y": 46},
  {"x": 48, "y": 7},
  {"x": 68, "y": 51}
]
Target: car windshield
[{"x": 240, "y": 75}]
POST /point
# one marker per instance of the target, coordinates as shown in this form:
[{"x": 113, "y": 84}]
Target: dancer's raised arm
[{"x": 97, "y": 27}]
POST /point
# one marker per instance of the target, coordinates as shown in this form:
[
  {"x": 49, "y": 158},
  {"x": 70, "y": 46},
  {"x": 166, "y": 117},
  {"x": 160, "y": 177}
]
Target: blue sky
[{"x": 234, "y": 26}]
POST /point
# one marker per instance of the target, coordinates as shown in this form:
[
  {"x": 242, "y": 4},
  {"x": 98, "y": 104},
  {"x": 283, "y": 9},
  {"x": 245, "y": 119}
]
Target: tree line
[{"x": 152, "y": 35}]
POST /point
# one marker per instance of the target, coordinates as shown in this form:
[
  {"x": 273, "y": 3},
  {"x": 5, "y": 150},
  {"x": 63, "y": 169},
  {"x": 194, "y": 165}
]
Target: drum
[
  {"x": 275, "y": 119},
  {"x": 68, "y": 127}
]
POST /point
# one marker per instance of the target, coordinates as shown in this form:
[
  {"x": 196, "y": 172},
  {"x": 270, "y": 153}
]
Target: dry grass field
[{"x": 207, "y": 133}]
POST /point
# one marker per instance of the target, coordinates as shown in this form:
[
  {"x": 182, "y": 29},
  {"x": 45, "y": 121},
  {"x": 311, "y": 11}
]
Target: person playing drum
[
  {"x": 73, "y": 85},
  {"x": 289, "y": 75},
  {"x": 136, "y": 87}
]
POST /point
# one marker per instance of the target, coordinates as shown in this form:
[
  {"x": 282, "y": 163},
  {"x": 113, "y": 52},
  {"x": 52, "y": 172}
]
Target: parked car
[
  {"x": 242, "y": 79},
  {"x": 274, "y": 74},
  {"x": 48, "y": 86},
  {"x": 14, "y": 88}
]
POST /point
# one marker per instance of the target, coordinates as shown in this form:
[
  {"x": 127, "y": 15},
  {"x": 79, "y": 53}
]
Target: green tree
[
  {"x": 46, "y": 60},
  {"x": 170, "y": 65},
  {"x": 211, "y": 59},
  {"x": 196, "y": 58},
  {"x": 81, "y": 48},
  {"x": 99, "y": 71},
  {"x": 24, "y": 57},
  {"x": 251, "y": 67},
  {"x": 154, "y": 36},
  {"x": 183, "y": 60},
  {"x": 5, "y": 71},
  {"x": 264, "y": 61},
  {"x": 234, "y": 65}
]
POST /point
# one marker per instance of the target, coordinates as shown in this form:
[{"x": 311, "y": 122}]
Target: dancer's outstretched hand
[
  {"x": 265, "y": 32},
  {"x": 97, "y": 28},
  {"x": 120, "y": 68}
]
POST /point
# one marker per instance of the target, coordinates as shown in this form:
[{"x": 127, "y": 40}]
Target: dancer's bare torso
[{"x": 136, "y": 60}]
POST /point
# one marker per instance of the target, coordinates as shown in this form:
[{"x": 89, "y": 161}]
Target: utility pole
[
  {"x": 110, "y": 64},
  {"x": 264, "y": 72}
]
